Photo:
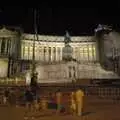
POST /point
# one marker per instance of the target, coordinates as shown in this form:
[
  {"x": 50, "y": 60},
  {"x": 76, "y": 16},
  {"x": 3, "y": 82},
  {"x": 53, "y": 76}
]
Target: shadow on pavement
[
  {"x": 43, "y": 115},
  {"x": 87, "y": 113}
]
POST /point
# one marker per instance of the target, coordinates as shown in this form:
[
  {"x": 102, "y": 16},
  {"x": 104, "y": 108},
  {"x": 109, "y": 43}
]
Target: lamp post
[{"x": 34, "y": 74}]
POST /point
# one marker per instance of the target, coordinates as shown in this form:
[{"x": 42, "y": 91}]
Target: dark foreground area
[{"x": 94, "y": 109}]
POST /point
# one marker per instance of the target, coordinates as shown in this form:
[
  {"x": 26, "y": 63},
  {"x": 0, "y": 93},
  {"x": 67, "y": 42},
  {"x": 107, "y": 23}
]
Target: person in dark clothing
[
  {"x": 12, "y": 98},
  {"x": 29, "y": 102},
  {"x": 6, "y": 95},
  {"x": 29, "y": 99}
]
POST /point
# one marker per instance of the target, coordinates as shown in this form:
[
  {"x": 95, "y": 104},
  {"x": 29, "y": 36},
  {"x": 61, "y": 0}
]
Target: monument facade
[{"x": 17, "y": 48}]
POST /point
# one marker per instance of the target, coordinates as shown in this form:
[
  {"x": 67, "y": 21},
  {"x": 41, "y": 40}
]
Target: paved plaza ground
[{"x": 94, "y": 109}]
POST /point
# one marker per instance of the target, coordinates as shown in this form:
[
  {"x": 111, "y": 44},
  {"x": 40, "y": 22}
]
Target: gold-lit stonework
[{"x": 18, "y": 49}]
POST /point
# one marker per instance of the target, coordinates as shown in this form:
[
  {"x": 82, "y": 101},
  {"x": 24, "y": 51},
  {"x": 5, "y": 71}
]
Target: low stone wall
[{"x": 12, "y": 81}]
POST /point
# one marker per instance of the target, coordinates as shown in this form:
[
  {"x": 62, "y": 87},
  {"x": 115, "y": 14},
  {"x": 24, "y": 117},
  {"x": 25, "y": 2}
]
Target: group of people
[
  {"x": 9, "y": 97},
  {"x": 76, "y": 101},
  {"x": 33, "y": 99}
]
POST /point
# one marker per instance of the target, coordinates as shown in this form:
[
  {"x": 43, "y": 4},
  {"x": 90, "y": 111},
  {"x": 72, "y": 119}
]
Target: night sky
[{"x": 55, "y": 19}]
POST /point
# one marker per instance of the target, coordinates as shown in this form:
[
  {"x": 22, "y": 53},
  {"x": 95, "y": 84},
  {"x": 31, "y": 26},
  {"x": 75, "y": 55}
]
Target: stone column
[
  {"x": 92, "y": 52},
  {"x": 44, "y": 49},
  {"x": 51, "y": 54},
  {"x": 67, "y": 71},
  {"x": 56, "y": 54},
  {"x": 60, "y": 53},
  {"x": 39, "y": 53},
  {"x": 72, "y": 73},
  {"x": 47, "y": 53},
  {"x": 10, "y": 47},
  {"x": 76, "y": 70},
  {"x": 28, "y": 51},
  {"x": 97, "y": 51},
  {"x": 36, "y": 53},
  {"x": 0, "y": 45},
  {"x": 93, "y": 47},
  {"x": 22, "y": 48},
  {"x": 5, "y": 49},
  {"x": 88, "y": 52},
  {"x": 74, "y": 52},
  {"x": 42, "y": 53},
  {"x": 78, "y": 57},
  {"x": 78, "y": 53},
  {"x": 6, "y": 42}
]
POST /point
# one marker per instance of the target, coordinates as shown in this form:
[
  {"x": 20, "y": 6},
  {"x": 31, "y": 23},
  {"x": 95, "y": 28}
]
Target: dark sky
[{"x": 56, "y": 19}]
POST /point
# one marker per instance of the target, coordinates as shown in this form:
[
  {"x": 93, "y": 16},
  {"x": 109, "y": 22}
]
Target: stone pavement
[{"x": 93, "y": 110}]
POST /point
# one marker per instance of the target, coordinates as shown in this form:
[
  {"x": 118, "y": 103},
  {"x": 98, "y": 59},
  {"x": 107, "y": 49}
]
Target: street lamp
[{"x": 34, "y": 74}]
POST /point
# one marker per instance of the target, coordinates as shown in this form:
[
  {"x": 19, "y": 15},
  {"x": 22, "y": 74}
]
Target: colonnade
[
  {"x": 51, "y": 52},
  {"x": 42, "y": 53}
]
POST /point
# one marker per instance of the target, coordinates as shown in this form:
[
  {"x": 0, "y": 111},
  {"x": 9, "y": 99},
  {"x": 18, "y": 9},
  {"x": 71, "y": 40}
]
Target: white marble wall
[
  {"x": 60, "y": 72},
  {"x": 52, "y": 73},
  {"x": 3, "y": 67}
]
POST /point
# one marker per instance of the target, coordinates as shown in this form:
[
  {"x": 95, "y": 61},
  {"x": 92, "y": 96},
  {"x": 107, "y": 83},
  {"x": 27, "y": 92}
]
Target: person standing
[
  {"x": 58, "y": 100},
  {"x": 29, "y": 99},
  {"x": 6, "y": 95},
  {"x": 29, "y": 102},
  {"x": 73, "y": 103},
  {"x": 79, "y": 101}
]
